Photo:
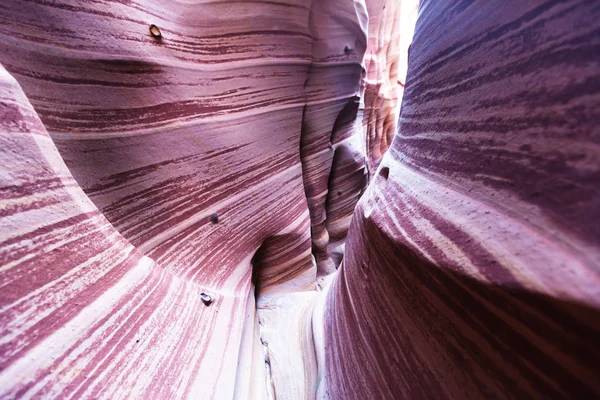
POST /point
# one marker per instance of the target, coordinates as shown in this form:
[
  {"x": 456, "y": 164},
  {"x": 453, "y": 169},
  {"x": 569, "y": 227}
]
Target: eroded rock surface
[
  {"x": 222, "y": 154},
  {"x": 191, "y": 139},
  {"x": 472, "y": 263}
]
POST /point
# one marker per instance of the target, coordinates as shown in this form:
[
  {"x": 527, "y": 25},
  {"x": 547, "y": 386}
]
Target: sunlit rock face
[
  {"x": 391, "y": 26},
  {"x": 472, "y": 263}
]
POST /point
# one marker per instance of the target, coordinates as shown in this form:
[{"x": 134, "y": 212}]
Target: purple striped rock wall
[
  {"x": 470, "y": 269},
  {"x": 226, "y": 113},
  {"x": 472, "y": 265}
]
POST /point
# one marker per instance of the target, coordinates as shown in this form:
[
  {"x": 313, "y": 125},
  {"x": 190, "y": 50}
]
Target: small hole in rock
[
  {"x": 384, "y": 172},
  {"x": 339, "y": 192},
  {"x": 346, "y": 49},
  {"x": 214, "y": 218},
  {"x": 155, "y": 32}
]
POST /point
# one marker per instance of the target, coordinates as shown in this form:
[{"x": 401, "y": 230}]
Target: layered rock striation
[
  {"x": 178, "y": 186},
  {"x": 472, "y": 263},
  {"x": 198, "y": 132}
]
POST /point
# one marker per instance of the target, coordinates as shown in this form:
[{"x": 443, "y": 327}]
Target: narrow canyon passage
[{"x": 298, "y": 199}]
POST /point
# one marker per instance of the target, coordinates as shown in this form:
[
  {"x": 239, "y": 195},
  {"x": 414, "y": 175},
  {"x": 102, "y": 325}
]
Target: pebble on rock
[
  {"x": 206, "y": 299},
  {"x": 155, "y": 32}
]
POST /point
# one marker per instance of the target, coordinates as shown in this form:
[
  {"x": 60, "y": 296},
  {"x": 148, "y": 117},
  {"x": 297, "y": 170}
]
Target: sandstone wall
[
  {"x": 199, "y": 147},
  {"x": 472, "y": 262},
  {"x": 141, "y": 173}
]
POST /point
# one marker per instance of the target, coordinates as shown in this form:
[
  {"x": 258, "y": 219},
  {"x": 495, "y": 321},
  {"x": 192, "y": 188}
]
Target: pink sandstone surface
[{"x": 238, "y": 207}]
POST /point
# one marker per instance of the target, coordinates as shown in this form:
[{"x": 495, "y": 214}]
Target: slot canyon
[{"x": 299, "y": 199}]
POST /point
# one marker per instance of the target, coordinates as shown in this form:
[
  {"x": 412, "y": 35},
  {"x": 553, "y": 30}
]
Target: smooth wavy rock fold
[
  {"x": 180, "y": 213},
  {"x": 198, "y": 146},
  {"x": 84, "y": 313},
  {"x": 472, "y": 265}
]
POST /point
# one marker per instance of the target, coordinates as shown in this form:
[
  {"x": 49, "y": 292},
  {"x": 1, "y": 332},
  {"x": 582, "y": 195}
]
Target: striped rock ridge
[
  {"x": 192, "y": 134},
  {"x": 179, "y": 187},
  {"x": 472, "y": 265}
]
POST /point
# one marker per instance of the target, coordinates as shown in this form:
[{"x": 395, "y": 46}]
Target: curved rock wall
[
  {"x": 328, "y": 133},
  {"x": 391, "y": 26},
  {"x": 224, "y": 157},
  {"x": 472, "y": 265},
  {"x": 85, "y": 314},
  {"x": 192, "y": 141}
]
